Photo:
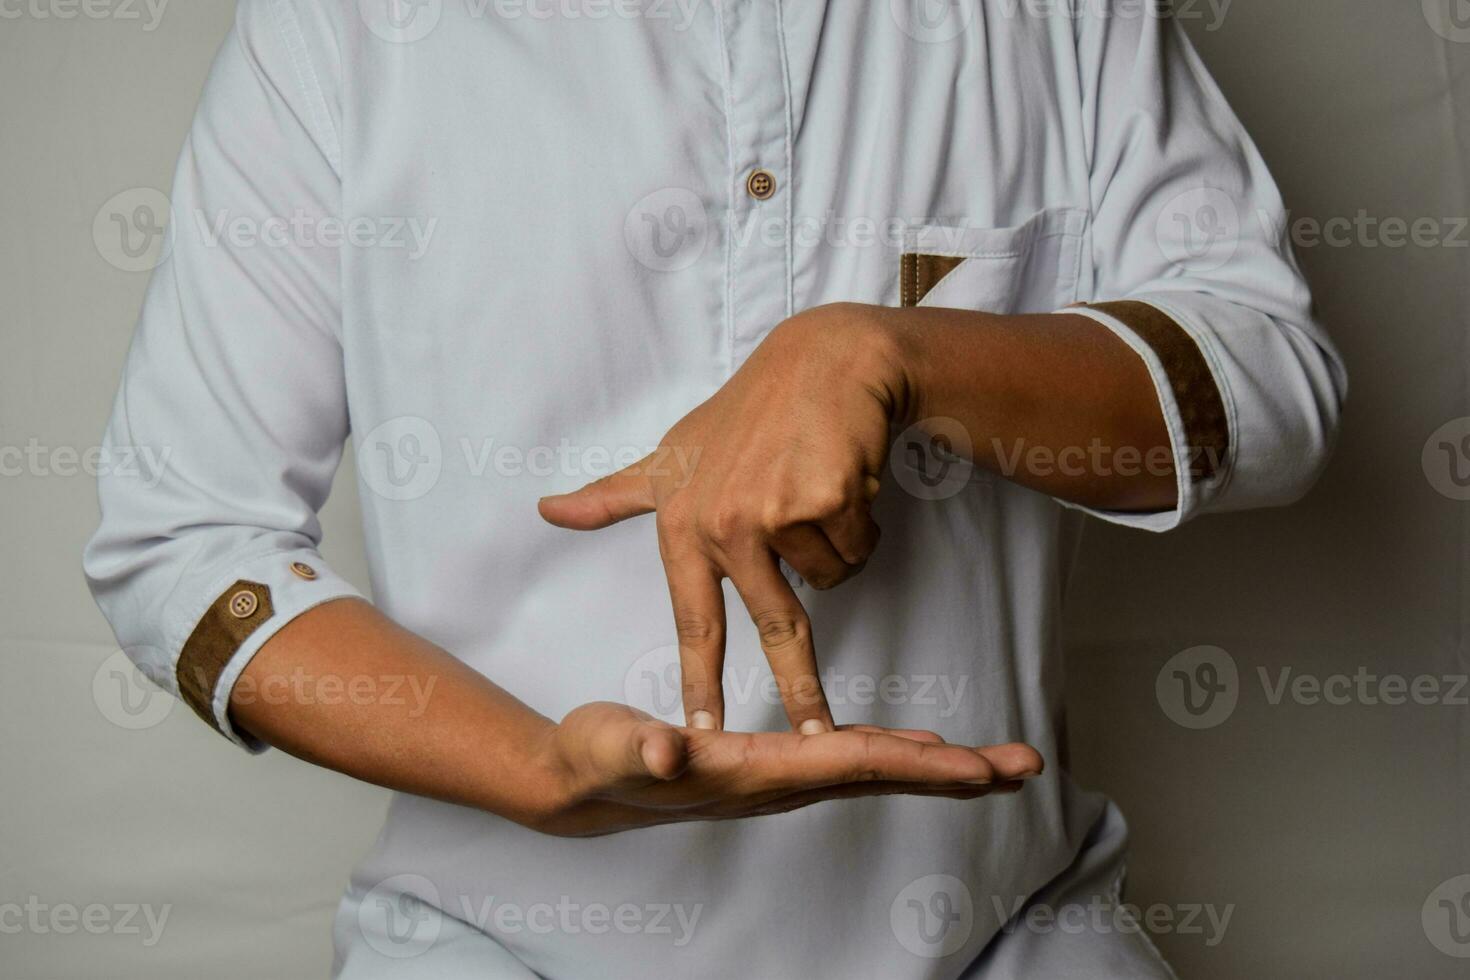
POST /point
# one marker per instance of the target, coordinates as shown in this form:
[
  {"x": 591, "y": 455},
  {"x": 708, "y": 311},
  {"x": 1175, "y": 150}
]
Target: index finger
[
  {"x": 848, "y": 757},
  {"x": 786, "y": 637},
  {"x": 699, "y": 621}
]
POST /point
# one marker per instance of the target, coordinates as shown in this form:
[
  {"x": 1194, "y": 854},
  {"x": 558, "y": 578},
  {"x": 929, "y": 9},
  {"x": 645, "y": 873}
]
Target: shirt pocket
[{"x": 1029, "y": 268}]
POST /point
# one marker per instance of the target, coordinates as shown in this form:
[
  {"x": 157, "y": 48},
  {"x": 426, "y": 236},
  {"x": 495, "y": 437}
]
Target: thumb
[
  {"x": 661, "y": 751},
  {"x": 630, "y": 750},
  {"x": 616, "y": 497}
]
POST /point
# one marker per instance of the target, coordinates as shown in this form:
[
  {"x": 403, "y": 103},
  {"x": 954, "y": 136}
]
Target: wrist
[
  {"x": 522, "y": 775},
  {"x": 875, "y": 350}
]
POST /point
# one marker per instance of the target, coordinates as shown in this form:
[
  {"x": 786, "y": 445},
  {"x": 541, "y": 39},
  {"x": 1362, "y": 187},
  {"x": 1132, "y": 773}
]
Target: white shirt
[{"x": 553, "y": 250}]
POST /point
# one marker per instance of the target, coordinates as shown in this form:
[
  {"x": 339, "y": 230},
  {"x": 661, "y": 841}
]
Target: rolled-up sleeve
[
  {"x": 233, "y": 390},
  {"x": 1193, "y": 269}
]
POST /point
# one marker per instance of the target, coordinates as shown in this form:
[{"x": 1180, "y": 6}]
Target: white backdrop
[{"x": 1331, "y": 826}]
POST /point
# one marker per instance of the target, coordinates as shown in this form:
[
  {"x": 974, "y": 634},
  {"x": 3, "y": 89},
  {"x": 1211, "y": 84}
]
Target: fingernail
[
  {"x": 1028, "y": 774},
  {"x": 983, "y": 781},
  {"x": 702, "y": 719},
  {"x": 813, "y": 726}
]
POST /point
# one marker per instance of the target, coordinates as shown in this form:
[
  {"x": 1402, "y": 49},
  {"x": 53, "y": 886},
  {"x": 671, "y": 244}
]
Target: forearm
[
  {"x": 342, "y": 686},
  {"x": 1054, "y": 402},
  {"x": 605, "y": 768}
]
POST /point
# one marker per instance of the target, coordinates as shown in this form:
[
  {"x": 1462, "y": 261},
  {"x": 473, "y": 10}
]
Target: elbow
[{"x": 1288, "y": 438}]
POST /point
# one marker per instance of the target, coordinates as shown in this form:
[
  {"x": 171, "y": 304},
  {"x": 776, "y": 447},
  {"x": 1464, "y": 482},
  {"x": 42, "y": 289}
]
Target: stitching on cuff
[{"x": 1201, "y": 406}]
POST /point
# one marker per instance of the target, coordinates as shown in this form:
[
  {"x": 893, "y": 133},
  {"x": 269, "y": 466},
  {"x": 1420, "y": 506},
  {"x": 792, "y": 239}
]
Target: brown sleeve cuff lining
[
  {"x": 1200, "y": 405},
  {"x": 225, "y": 626},
  {"x": 918, "y": 274}
]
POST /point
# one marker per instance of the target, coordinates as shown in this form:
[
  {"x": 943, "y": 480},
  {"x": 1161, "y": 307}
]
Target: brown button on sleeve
[
  {"x": 1200, "y": 404},
  {"x": 227, "y": 624}
]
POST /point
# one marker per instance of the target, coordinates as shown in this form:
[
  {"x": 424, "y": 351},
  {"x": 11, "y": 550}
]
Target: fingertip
[
  {"x": 704, "y": 721},
  {"x": 549, "y": 509},
  {"x": 1017, "y": 761},
  {"x": 1029, "y": 763},
  {"x": 575, "y": 511}
]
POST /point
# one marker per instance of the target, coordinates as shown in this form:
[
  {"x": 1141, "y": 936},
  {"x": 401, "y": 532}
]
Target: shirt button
[
  {"x": 303, "y": 570},
  {"x": 243, "y": 604},
  {"x": 761, "y": 185}
]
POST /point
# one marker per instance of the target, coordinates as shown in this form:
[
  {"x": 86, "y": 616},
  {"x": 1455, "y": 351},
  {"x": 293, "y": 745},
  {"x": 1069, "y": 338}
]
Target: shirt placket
[{"x": 759, "y": 108}]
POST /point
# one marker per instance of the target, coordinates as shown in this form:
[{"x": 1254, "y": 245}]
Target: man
[{"x": 728, "y": 250}]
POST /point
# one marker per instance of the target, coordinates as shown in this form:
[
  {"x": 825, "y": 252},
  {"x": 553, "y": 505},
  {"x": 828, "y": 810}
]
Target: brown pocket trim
[
  {"x": 1201, "y": 406},
  {"x": 919, "y": 273},
  {"x": 226, "y": 625}
]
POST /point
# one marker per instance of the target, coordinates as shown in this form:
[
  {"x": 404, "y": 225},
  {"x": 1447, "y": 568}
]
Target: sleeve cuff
[
  {"x": 246, "y": 609},
  {"x": 1190, "y": 396}
]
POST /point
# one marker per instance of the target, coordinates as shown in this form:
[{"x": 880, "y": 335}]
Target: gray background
[{"x": 1323, "y": 827}]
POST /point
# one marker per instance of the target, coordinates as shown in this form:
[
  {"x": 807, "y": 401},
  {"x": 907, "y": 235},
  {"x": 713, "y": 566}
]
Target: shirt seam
[
  {"x": 729, "y": 311},
  {"x": 790, "y": 157},
  {"x": 306, "y": 77}
]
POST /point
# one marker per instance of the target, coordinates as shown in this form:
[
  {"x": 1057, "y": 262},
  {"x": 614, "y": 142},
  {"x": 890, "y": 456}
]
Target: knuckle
[
  {"x": 828, "y": 578},
  {"x": 695, "y": 629},
  {"x": 805, "y": 690},
  {"x": 723, "y": 525},
  {"x": 781, "y": 630},
  {"x": 828, "y": 500},
  {"x": 864, "y": 767},
  {"x": 775, "y": 514}
]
